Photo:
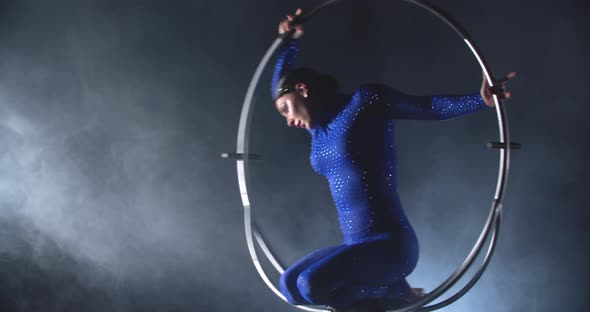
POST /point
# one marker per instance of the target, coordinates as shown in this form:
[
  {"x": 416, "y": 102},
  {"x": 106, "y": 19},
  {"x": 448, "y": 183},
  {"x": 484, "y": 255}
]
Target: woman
[{"x": 353, "y": 147}]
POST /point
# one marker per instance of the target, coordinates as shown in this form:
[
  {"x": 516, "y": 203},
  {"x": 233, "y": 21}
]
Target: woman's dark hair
[{"x": 319, "y": 85}]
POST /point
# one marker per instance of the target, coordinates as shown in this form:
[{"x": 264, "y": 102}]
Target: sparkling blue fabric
[
  {"x": 354, "y": 149},
  {"x": 284, "y": 63}
]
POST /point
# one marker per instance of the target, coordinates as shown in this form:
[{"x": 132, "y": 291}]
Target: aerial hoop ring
[{"x": 492, "y": 224}]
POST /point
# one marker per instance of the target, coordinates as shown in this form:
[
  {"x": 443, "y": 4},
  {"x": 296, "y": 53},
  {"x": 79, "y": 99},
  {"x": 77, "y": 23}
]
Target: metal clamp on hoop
[
  {"x": 513, "y": 145},
  {"x": 240, "y": 156}
]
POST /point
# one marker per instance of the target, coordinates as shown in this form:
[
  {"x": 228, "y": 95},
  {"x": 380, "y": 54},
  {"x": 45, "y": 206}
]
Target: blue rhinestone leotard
[{"x": 354, "y": 149}]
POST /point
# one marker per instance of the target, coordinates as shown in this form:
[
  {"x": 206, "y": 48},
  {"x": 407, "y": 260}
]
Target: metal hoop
[{"x": 242, "y": 157}]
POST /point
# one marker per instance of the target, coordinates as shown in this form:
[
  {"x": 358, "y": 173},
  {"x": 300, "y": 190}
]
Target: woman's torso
[{"x": 356, "y": 153}]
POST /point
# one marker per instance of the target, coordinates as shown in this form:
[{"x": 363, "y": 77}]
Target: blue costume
[{"x": 354, "y": 149}]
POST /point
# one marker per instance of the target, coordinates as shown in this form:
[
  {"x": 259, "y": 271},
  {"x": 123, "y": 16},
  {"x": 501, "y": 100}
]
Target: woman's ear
[{"x": 301, "y": 88}]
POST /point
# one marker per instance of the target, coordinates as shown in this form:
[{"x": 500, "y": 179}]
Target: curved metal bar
[
  {"x": 243, "y": 174},
  {"x": 478, "y": 274},
  {"x": 267, "y": 250},
  {"x": 451, "y": 280},
  {"x": 242, "y": 149},
  {"x": 503, "y": 171}
]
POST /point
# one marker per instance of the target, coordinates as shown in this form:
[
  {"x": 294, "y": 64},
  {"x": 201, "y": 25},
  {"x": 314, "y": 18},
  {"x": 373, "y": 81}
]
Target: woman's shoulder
[
  {"x": 375, "y": 88},
  {"x": 372, "y": 91}
]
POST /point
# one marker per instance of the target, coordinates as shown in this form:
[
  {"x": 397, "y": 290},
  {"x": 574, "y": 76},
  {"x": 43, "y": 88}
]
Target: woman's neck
[{"x": 328, "y": 109}]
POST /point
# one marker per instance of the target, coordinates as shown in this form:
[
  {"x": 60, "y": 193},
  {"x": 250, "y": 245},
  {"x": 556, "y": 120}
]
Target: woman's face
[{"x": 293, "y": 106}]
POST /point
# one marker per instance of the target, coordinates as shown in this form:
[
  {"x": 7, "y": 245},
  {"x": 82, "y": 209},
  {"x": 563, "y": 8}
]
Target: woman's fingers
[
  {"x": 506, "y": 94},
  {"x": 500, "y": 86},
  {"x": 509, "y": 76},
  {"x": 282, "y": 27},
  {"x": 291, "y": 17},
  {"x": 287, "y": 24},
  {"x": 498, "y": 89}
]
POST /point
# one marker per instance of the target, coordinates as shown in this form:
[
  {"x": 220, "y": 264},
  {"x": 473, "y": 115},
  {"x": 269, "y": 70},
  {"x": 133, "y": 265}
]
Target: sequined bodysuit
[{"x": 354, "y": 149}]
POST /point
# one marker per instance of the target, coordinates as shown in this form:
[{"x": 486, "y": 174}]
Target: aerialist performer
[{"x": 352, "y": 146}]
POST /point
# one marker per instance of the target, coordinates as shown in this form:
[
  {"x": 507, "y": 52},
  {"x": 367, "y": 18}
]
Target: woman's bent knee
[
  {"x": 288, "y": 287},
  {"x": 310, "y": 289}
]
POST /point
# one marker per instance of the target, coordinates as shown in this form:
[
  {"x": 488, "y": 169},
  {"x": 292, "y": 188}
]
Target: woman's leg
[
  {"x": 371, "y": 269},
  {"x": 288, "y": 281}
]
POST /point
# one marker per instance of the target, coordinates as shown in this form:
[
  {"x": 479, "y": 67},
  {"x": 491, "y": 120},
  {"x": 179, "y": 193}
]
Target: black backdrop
[{"x": 113, "y": 196}]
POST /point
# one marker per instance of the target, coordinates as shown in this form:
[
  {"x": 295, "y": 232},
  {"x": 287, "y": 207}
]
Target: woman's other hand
[
  {"x": 287, "y": 24},
  {"x": 498, "y": 89}
]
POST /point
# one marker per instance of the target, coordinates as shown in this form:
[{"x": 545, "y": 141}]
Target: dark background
[{"x": 113, "y": 114}]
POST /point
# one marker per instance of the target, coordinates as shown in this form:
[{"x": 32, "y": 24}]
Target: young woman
[{"x": 353, "y": 147}]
